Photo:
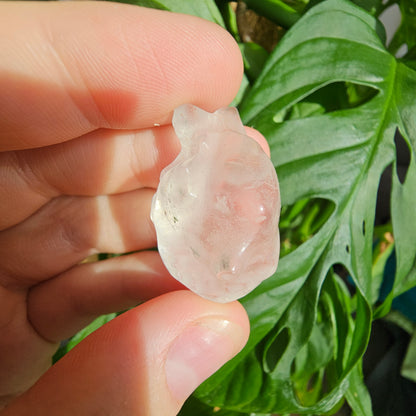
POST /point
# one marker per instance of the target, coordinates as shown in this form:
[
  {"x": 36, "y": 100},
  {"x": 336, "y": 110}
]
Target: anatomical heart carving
[{"x": 216, "y": 210}]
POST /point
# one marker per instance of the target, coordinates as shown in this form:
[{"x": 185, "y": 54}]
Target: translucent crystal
[{"x": 216, "y": 210}]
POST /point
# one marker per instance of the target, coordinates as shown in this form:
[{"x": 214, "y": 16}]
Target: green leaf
[
  {"x": 336, "y": 155},
  {"x": 357, "y": 394},
  {"x": 254, "y": 57},
  {"x": 244, "y": 87},
  {"x": 194, "y": 407},
  {"x": 230, "y": 18},
  {"x": 206, "y": 9},
  {"x": 409, "y": 363}
]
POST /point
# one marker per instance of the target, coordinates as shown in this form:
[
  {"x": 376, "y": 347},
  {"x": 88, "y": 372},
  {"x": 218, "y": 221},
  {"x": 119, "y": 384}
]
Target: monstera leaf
[{"x": 308, "y": 333}]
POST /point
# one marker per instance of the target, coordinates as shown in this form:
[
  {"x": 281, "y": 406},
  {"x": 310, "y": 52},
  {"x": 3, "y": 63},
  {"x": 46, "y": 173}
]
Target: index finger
[{"x": 70, "y": 68}]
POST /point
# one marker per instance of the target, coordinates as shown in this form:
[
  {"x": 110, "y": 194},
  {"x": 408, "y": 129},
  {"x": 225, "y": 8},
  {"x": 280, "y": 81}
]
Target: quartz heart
[{"x": 216, "y": 210}]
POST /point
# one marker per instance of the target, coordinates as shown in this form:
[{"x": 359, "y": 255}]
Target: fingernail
[{"x": 199, "y": 352}]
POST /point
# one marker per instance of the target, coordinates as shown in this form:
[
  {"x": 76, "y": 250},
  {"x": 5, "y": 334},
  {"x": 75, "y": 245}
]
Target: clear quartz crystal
[{"x": 216, "y": 210}]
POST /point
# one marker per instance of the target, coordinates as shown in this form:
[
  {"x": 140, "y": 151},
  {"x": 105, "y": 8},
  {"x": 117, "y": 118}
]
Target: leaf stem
[{"x": 275, "y": 10}]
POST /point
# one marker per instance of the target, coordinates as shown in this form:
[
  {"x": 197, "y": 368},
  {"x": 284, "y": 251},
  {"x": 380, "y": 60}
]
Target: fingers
[
  {"x": 99, "y": 163},
  {"x": 145, "y": 362},
  {"x": 69, "y": 229},
  {"x": 70, "y": 68},
  {"x": 60, "y": 307},
  {"x": 259, "y": 138}
]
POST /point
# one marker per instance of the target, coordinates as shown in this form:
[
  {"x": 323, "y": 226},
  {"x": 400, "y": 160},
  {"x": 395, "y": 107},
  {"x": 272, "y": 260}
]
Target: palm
[{"x": 46, "y": 294}]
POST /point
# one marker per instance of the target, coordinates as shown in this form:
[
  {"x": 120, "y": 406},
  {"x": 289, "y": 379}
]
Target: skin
[{"x": 83, "y": 86}]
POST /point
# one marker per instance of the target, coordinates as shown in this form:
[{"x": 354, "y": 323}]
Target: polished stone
[{"x": 216, "y": 209}]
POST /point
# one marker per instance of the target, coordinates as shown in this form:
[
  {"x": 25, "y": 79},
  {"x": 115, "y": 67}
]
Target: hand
[{"x": 83, "y": 87}]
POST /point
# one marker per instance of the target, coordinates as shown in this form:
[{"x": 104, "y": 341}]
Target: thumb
[{"x": 145, "y": 362}]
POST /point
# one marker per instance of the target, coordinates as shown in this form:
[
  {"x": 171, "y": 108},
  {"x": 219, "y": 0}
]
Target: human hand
[{"x": 82, "y": 88}]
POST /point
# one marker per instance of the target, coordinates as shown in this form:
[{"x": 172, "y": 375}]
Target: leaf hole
[
  {"x": 302, "y": 220},
  {"x": 313, "y": 388},
  {"x": 363, "y": 227},
  {"x": 347, "y": 248},
  {"x": 254, "y": 27},
  {"x": 335, "y": 96},
  {"x": 313, "y": 381},
  {"x": 402, "y": 156},
  {"x": 345, "y": 276},
  {"x": 402, "y": 50},
  {"x": 391, "y": 18},
  {"x": 276, "y": 349},
  {"x": 382, "y": 215}
]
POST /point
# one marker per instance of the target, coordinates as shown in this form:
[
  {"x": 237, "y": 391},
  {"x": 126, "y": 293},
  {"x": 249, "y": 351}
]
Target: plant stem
[{"x": 275, "y": 10}]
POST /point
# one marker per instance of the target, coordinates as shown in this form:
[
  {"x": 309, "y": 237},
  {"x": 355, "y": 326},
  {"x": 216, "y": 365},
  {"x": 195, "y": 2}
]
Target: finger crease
[{"x": 31, "y": 177}]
